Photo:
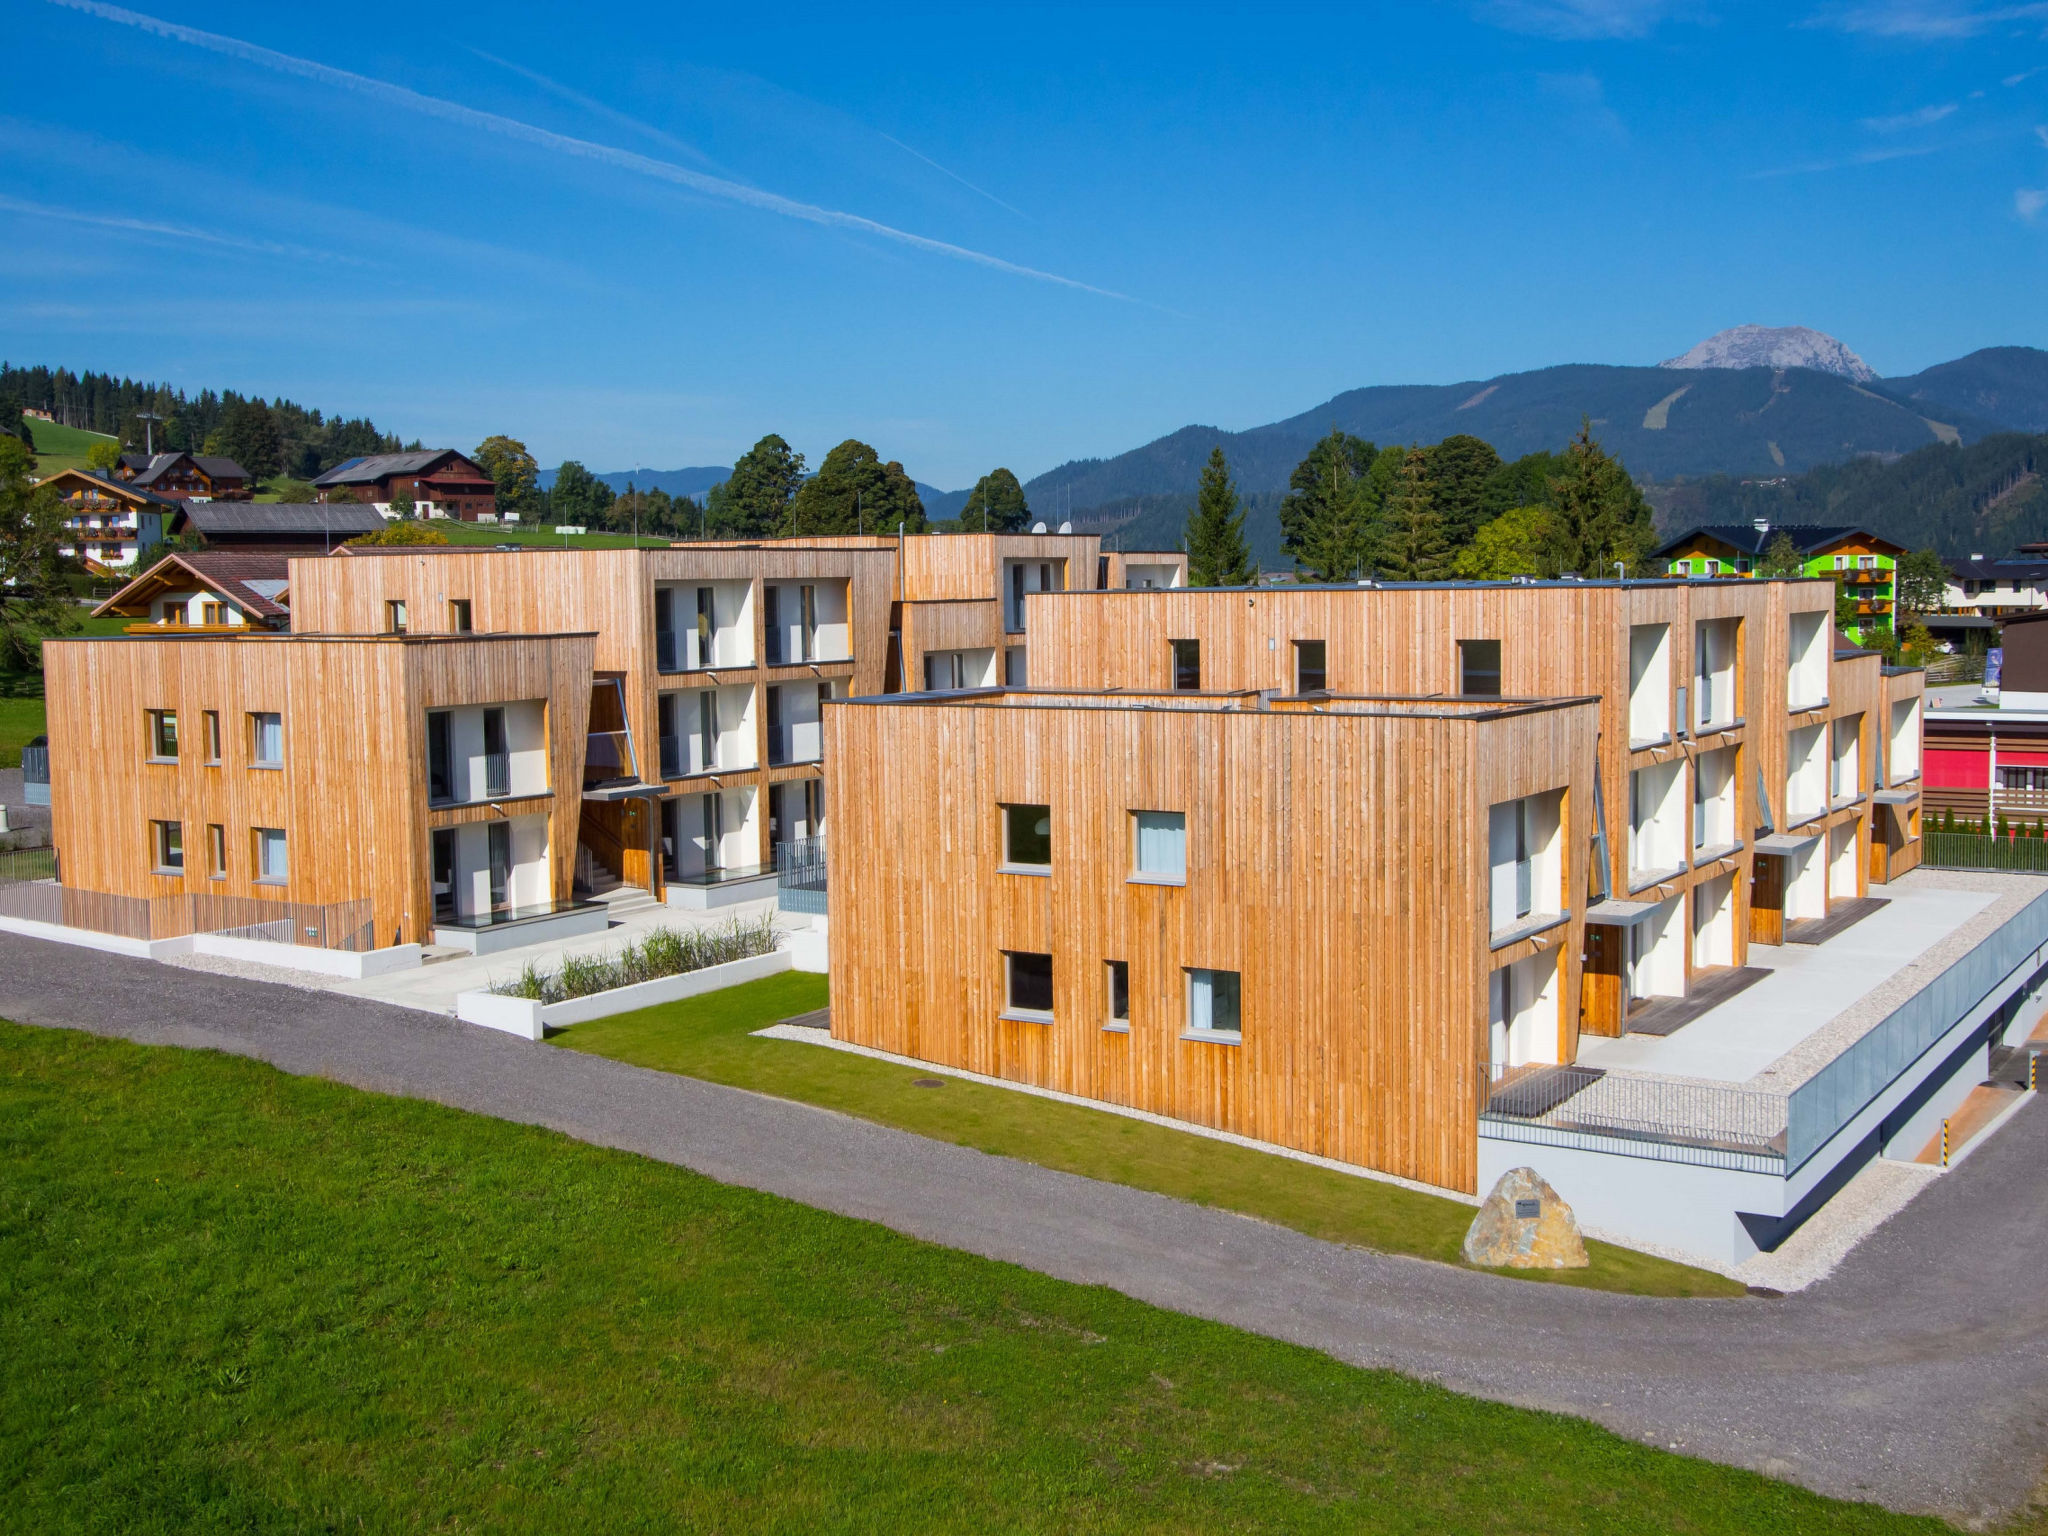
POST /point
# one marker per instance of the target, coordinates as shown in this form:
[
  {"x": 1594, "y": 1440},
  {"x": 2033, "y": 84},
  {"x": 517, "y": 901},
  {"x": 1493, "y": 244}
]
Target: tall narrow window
[
  {"x": 714, "y": 815},
  {"x": 440, "y": 757},
  {"x": 666, "y": 718},
  {"x": 217, "y": 851},
  {"x": 1017, "y": 599},
  {"x": 212, "y": 613},
  {"x": 665, "y": 657},
  {"x": 1213, "y": 1004},
  {"x": 212, "y": 719},
  {"x": 1479, "y": 668},
  {"x": 266, "y": 739},
  {"x": 1027, "y": 837},
  {"x": 500, "y": 845},
  {"x": 707, "y": 728},
  {"x": 1187, "y": 665},
  {"x": 458, "y": 615},
  {"x": 1310, "y": 673},
  {"x": 808, "y": 620},
  {"x": 163, "y": 735},
  {"x": 497, "y": 755},
  {"x": 771, "y": 625},
  {"x": 394, "y": 616},
  {"x": 1159, "y": 846},
  {"x": 167, "y": 847},
  {"x": 446, "y": 907},
  {"x": 1030, "y": 985},
  {"x": 271, "y": 865},
  {"x": 706, "y": 616},
  {"x": 1119, "y": 976}
]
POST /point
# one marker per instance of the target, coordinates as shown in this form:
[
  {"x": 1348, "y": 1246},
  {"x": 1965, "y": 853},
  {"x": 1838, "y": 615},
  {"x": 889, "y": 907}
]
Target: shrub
[{"x": 657, "y": 953}]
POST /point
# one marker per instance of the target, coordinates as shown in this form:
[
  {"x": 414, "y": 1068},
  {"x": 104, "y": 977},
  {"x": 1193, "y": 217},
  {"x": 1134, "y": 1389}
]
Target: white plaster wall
[
  {"x": 1713, "y": 925},
  {"x": 1808, "y": 682},
  {"x": 1649, "y": 682}
]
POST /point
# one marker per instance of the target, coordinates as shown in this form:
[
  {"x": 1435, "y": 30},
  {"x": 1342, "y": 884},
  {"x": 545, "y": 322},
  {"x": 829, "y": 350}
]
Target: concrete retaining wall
[{"x": 530, "y": 1020}]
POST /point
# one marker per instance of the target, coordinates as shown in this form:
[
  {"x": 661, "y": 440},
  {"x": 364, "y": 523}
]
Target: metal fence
[
  {"x": 1742, "y": 1126},
  {"x": 39, "y": 899},
  {"x": 1841, "y": 1090},
  {"x": 35, "y": 775},
  {"x": 1971, "y": 850},
  {"x": 1955, "y": 669},
  {"x": 19, "y": 864},
  {"x": 800, "y": 875}
]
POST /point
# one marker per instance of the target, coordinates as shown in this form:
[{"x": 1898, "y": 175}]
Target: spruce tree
[
  {"x": 1217, "y": 553},
  {"x": 1598, "y": 515},
  {"x": 1412, "y": 546},
  {"x": 1325, "y": 519}
]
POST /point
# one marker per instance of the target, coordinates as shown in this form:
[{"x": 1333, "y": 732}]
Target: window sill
[
  {"x": 1645, "y": 743},
  {"x": 1643, "y": 879},
  {"x": 1803, "y": 709},
  {"x": 1142, "y": 877},
  {"x": 270, "y": 880},
  {"x": 168, "y": 874},
  {"x": 1025, "y": 1016},
  {"x": 1042, "y": 871},
  {"x": 1117, "y": 1027},
  {"x": 170, "y": 762},
  {"x": 1716, "y": 727},
  {"x": 1845, "y": 802},
  {"x": 1213, "y": 1036},
  {"x": 1714, "y": 853},
  {"x": 271, "y": 767},
  {"x": 1527, "y": 927}
]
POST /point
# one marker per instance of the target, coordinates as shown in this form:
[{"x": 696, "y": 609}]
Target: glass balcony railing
[
  {"x": 674, "y": 760},
  {"x": 608, "y": 759},
  {"x": 668, "y": 650}
]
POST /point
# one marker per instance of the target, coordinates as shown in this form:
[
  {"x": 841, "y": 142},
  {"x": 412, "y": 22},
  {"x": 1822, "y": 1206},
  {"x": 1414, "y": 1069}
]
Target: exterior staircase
[{"x": 624, "y": 899}]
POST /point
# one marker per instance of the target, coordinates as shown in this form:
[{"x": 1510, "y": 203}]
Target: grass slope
[
  {"x": 21, "y": 721},
  {"x": 232, "y": 1300},
  {"x": 60, "y": 447},
  {"x": 711, "y": 1037}
]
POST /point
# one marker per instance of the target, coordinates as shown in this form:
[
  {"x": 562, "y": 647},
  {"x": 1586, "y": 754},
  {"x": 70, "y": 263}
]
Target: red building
[{"x": 440, "y": 481}]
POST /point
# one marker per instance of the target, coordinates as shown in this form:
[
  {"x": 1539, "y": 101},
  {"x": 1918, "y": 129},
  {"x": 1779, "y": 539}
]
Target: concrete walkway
[{"x": 1915, "y": 1375}]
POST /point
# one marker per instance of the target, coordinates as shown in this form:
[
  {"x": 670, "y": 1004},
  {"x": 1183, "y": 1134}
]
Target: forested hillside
[
  {"x": 1960, "y": 500},
  {"x": 276, "y": 437}
]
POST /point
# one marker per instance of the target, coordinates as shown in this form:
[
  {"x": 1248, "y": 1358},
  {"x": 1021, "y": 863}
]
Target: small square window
[
  {"x": 167, "y": 840},
  {"x": 1030, "y": 984},
  {"x": 1310, "y": 673},
  {"x": 266, "y": 739},
  {"x": 271, "y": 866},
  {"x": 1213, "y": 1004},
  {"x": 1027, "y": 836},
  {"x": 1187, "y": 666},
  {"x": 163, "y": 735},
  {"x": 1159, "y": 845},
  {"x": 1119, "y": 991},
  {"x": 1479, "y": 668},
  {"x": 458, "y": 615},
  {"x": 217, "y": 851},
  {"x": 212, "y": 718},
  {"x": 394, "y": 616}
]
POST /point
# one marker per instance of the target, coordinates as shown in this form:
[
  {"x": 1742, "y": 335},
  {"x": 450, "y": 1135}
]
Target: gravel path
[{"x": 1915, "y": 1375}]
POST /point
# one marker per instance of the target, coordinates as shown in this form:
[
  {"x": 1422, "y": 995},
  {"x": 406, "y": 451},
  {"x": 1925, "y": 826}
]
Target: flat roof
[
  {"x": 165, "y": 632},
  {"x": 1449, "y": 586},
  {"x": 1244, "y": 701}
]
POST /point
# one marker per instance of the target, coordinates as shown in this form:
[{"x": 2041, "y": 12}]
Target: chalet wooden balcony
[{"x": 186, "y": 629}]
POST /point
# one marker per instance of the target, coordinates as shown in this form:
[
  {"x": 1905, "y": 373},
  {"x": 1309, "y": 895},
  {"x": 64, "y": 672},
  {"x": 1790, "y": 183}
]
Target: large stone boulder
[{"x": 1523, "y": 1225}]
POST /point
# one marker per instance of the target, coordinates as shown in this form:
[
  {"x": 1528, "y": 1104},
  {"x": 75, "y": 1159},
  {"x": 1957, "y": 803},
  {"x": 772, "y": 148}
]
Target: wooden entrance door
[
  {"x": 1602, "y": 997},
  {"x": 1767, "y": 900},
  {"x": 1883, "y": 824}
]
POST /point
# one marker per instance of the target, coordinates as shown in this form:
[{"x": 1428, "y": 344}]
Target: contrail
[
  {"x": 970, "y": 186},
  {"x": 175, "y": 231},
  {"x": 592, "y": 105},
  {"x": 581, "y": 149}
]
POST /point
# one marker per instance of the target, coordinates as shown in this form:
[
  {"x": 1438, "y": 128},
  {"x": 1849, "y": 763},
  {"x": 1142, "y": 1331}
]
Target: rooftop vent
[{"x": 1762, "y": 525}]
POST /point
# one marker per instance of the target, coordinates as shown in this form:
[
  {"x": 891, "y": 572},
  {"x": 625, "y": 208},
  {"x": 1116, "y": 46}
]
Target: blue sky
[{"x": 649, "y": 234}]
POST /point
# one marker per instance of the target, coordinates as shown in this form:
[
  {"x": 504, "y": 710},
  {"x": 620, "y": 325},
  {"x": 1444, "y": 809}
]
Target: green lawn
[
  {"x": 62, "y": 447},
  {"x": 232, "y": 1300},
  {"x": 21, "y": 716},
  {"x": 542, "y": 534},
  {"x": 710, "y": 1037}
]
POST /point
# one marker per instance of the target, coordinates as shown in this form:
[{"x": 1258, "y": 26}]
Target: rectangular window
[
  {"x": 497, "y": 758},
  {"x": 211, "y": 613},
  {"x": 445, "y": 907},
  {"x": 271, "y": 867},
  {"x": 1310, "y": 673},
  {"x": 500, "y": 846},
  {"x": 807, "y": 611},
  {"x": 163, "y": 735},
  {"x": 1119, "y": 991},
  {"x": 1159, "y": 845},
  {"x": 217, "y": 851},
  {"x": 394, "y": 616},
  {"x": 167, "y": 847},
  {"x": 1213, "y": 1004},
  {"x": 1027, "y": 837},
  {"x": 1187, "y": 665},
  {"x": 212, "y": 719},
  {"x": 1030, "y": 984},
  {"x": 458, "y": 616},
  {"x": 707, "y": 598},
  {"x": 1479, "y": 668},
  {"x": 266, "y": 739},
  {"x": 440, "y": 757}
]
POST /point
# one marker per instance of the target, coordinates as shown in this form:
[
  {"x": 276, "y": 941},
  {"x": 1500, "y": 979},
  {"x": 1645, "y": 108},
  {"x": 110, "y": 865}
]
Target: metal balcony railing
[
  {"x": 497, "y": 775},
  {"x": 800, "y": 875}
]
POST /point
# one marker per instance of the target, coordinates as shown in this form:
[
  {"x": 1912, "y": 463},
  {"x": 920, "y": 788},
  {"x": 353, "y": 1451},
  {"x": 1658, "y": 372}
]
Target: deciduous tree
[
  {"x": 995, "y": 505},
  {"x": 1460, "y": 471},
  {"x": 1511, "y": 545},
  {"x": 406, "y": 530},
  {"x": 852, "y": 491},
  {"x": 1920, "y": 582},
  {"x": 103, "y": 456},
  {"x": 579, "y": 497},
  {"x": 753, "y": 500},
  {"x": 512, "y": 470},
  {"x": 1217, "y": 553},
  {"x": 33, "y": 602}
]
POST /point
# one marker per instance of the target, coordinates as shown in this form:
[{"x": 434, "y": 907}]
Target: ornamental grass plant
[{"x": 659, "y": 952}]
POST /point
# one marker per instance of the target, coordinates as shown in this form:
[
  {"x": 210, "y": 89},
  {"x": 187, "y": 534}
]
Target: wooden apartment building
[
  {"x": 1753, "y": 773},
  {"x": 424, "y": 781},
  {"x": 1315, "y": 921}
]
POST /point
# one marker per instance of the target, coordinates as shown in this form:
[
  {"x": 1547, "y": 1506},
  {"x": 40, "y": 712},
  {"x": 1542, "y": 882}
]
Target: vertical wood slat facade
[
  {"x": 1337, "y": 861},
  {"x": 351, "y": 794}
]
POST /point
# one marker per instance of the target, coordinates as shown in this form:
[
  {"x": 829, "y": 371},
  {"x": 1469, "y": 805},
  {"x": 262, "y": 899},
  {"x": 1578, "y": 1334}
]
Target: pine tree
[
  {"x": 1412, "y": 546},
  {"x": 1217, "y": 553},
  {"x": 1599, "y": 517}
]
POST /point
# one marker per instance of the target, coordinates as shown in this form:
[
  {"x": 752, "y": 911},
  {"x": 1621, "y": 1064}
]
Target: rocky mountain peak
[{"x": 1775, "y": 346}]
